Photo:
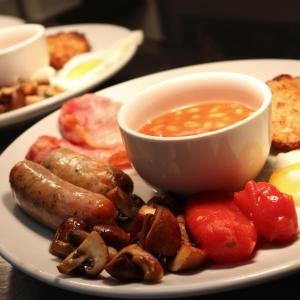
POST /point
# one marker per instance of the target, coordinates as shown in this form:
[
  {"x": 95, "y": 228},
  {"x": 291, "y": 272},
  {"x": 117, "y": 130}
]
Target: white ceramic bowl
[
  {"x": 220, "y": 160},
  {"x": 23, "y": 51}
]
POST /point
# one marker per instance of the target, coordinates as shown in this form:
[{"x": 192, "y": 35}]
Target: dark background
[{"x": 197, "y": 31}]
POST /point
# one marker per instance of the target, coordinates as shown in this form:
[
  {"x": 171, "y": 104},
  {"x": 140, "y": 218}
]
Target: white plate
[
  {"x": 25, "y": 243},
  {"x": 101, "y": 37},
  {"x": 7, "y": 21}
]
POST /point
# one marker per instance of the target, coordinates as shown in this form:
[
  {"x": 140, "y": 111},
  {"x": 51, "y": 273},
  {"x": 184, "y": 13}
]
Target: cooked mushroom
[
  {"x": 112, "y": 252},
  {"x": 133, "y": 263},
  {"x": 138, "y": 221},
  {"x": 188, "y": 257},
  {"x": 90, "y": 256},
  {"x": 60, "y": 245},
  {"x": 113, "y": 235},
  {"x": 127, "y": 205},
  {"x": 77, "y": 236},
  {"x": 163, "y": 237}
]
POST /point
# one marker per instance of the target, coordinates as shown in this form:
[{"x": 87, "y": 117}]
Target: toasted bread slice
[
  {"x": 285, "y": 112},
  {"x": 65, "y": 45}
]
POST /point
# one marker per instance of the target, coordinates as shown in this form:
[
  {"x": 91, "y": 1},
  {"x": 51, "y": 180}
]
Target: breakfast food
[
  {"x": 285, "y": 112},
  {"x": 217, "y": 224},
  {"x": 65, "y": 45},
  {"x": 133, "y": 240},
  {"x": 91, "y": 121},
  {"x": 195, "y": 119},
  {"x": 94, "y": 175},
  {"x": 89, "y": 126},
  {"x": 25, "y": 93},
  {"x": 45, "y": 144},
  {"x": 49, "y": 199},
  {"x": 272, "y": 211},
  {"x": 287, "y": 180}
]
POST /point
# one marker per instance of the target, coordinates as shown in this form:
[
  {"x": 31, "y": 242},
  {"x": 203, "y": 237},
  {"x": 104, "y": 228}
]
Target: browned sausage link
[
  {"x": 93, "y": 175},
  {"x": 50, "y": 199}
]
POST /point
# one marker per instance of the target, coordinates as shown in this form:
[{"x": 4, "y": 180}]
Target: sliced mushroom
[
  {"x": 77, "y": 236},
  {"x": 188, "y": 257},
  {"x": 163, "y": 238},
  {"x": 126, "y": 204},
  {"x": 138, "y": 221},
  {"x": 112, "y": 252},
  {"x": 90, "y": 256},
  {"x": 113, "y": 235},
  {"x": 60, "y": 245},
  {"x": 133, "y": 263}
]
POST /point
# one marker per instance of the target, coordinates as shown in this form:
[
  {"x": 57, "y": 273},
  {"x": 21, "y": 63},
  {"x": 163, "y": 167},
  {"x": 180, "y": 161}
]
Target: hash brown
[
  {"x": 285, "y": 112},
  {"x": 65, "y": 45}
]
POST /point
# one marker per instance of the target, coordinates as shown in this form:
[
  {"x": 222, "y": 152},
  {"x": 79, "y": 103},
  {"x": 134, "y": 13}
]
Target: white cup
[
  {"x": 23, "y": 51},
  {"x": 224, "y": 159}
]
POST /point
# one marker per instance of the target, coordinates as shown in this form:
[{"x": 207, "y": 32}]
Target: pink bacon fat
[
  {"x": 45, "y": 144},
  {"x": 91, "y": 121}
]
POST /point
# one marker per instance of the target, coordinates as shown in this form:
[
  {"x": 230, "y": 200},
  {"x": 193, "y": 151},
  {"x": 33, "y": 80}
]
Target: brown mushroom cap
[
  {"x": 60, "y": 245},
  {"x": 113, "y": 235},
  {"x": 126, "y": 204},
  {"x": 133, "y": 263},
  {"x": 163, "y": 237}
]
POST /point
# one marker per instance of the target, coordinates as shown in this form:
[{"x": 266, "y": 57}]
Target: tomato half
[{"x": 218, "y": 226}]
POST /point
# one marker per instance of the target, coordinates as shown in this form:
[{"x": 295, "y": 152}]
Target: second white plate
[{"x": 101, "y": 37}]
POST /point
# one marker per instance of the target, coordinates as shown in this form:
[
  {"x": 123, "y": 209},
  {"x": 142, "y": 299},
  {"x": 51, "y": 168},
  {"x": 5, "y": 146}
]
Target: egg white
[
  {"x": 285, "y": 159},
  {"x": 108, "y": 58}
]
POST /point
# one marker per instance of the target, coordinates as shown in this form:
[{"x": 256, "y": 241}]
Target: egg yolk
[
  {"x": 287, "y": 180},
  {"x": 82, "y": 69}
]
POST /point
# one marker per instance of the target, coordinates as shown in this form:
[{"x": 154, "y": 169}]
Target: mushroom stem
[
  {"x": 188, "y": 257},
  {"x": 91, "y": 256}
]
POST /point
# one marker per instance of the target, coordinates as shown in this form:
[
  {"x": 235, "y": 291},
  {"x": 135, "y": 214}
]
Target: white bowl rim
[
  {"x": 40, "y": 29},
  {"x": 262, "y": 107}
]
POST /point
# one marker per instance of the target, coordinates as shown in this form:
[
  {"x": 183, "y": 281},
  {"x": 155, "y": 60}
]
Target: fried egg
[
  {"x": 282, "y": 160},
  {"x": 287, "y": 180},
  {"x": 82, "y": 68}
]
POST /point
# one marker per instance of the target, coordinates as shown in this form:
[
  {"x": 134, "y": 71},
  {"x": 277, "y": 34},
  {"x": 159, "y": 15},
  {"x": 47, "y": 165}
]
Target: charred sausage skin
[
  {"x": 91, "y": 174},
  {"x": 50, "y": 199}
]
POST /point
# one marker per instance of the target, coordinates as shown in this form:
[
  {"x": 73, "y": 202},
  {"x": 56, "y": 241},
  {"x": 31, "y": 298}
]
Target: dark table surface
[{"x": 151, "y": 57}]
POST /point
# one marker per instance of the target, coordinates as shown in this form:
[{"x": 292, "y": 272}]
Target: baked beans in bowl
[{"x": 203, "y": 131}]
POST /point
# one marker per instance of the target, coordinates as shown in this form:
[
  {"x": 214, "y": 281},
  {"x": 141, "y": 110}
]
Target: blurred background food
[
  {"x": 65, "y": 45},
  {"x": 219, "y": 30}
]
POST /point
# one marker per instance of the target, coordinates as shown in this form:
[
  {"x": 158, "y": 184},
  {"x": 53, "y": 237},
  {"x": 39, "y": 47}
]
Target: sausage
[
  {"x": 91, "y": 174},
  {"x": 50, "y": 199}
]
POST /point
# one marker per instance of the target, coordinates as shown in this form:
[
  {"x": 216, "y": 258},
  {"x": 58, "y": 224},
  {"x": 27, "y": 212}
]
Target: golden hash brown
[
  {"x": 63, "y": 46},
  {"x": 285, "y": 112}
]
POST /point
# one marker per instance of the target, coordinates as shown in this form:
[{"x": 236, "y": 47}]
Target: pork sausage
[
  {"x": 91, "y": 174},
  {"x": 50, "y": 199}
]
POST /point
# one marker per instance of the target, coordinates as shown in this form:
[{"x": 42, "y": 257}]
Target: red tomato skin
[
  {"x": 217, "y": 225},
  {"x": 273, "y": 213}
]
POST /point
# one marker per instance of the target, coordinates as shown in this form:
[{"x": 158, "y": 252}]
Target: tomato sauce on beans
[{"x": 196, "y": 119}]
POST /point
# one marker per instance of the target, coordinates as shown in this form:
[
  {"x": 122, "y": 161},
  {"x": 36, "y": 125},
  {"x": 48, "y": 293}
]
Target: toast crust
[
  {"x": 65, "y": 45},
  {"x": 285, "y": 112}
]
